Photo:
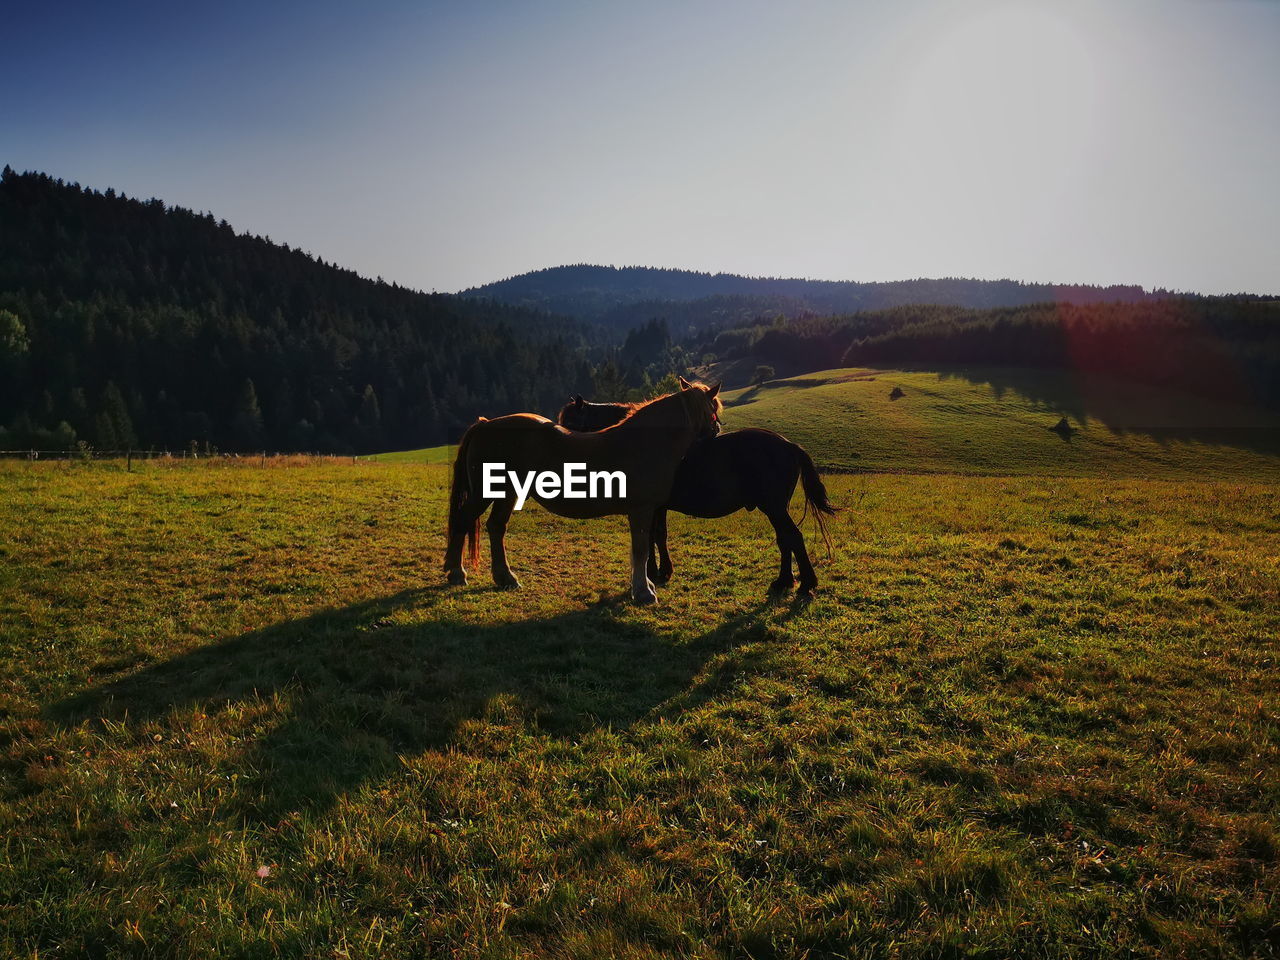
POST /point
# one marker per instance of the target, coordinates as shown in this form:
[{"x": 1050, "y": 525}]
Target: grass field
[
  {"x": 1025, "y": 716},
  {"x": 442, "y": 454},
  {"x": 996, "y": 422}
]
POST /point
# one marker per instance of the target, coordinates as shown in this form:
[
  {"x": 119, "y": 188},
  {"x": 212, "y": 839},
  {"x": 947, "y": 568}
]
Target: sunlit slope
[
  {"x": 442, "y": 454},
  {"x": 1000, "y": 422}
]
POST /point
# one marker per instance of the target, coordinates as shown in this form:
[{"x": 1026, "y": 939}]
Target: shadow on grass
[
  {"x": 750, "y": 395},
  {"x": 754, "y": 391},
  {"x": 395, "y": 676},
  {"x": 1164, "y": 415}
]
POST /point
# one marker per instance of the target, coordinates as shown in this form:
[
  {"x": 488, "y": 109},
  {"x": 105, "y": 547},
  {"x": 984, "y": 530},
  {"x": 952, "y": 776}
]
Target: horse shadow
[{"x": 337, "y": 698}]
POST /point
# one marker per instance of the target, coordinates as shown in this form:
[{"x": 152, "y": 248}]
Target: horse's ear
[
  {"x": 684, "y": 384},
  {"x": 715, "y": 389},
  {"x": 576, "y": 400}
]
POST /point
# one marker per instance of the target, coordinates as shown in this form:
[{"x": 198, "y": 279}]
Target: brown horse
[
  {"x": 646, "y": 447},
  {"x": 743, "y": 469}
]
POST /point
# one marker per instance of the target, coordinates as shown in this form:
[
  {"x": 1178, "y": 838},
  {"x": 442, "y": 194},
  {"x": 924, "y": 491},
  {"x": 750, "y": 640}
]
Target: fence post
[{"x": 128, "y": 460}]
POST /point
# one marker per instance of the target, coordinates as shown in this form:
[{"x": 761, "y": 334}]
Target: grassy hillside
[
  {"x": 997, "y": 422},
  {"x": 241, "y": 716}
]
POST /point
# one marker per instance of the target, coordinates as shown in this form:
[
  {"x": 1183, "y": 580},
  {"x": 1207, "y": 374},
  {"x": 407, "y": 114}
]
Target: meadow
[
  {"x": 998, "y": 422},
  {"x": 241, "y": 715}
]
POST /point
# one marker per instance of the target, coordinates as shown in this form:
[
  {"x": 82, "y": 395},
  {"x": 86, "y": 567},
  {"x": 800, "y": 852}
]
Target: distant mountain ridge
[{"x": 625, "y": 296}]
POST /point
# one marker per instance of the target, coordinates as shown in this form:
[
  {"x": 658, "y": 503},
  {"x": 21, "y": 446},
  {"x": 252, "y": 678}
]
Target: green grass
[
  {"x": 442, "y": 454},
  {"x": 1025, "y": 716},
  {"x": 996, "y": 422}
]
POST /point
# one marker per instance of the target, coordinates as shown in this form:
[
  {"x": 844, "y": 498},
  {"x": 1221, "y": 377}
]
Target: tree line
[
  {"x": 622, "y": 297},
  {"x": 1213, "y": 346},
  {"x": 132, "y": 324},
  {"x": 127, "y": 323}
]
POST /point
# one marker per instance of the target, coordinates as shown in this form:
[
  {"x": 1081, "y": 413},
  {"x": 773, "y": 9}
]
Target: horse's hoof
[
  {"x": 662, "y": 577},
  {"x": 807, "y": 590},
  {"x": 781, "y": 586},
  {"x": 644, "y": 599},
  {"x": 458, "y": 578},
  {"x": 507, "y": 582}
]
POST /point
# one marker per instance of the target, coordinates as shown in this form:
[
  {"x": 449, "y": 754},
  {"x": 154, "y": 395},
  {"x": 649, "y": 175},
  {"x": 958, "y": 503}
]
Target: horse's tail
[
  {"x": 815, "y": 494},
  {"x": 459, "y": 493}
]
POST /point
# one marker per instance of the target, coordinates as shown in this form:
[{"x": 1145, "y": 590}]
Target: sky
[{"x": 447, "y": 145}]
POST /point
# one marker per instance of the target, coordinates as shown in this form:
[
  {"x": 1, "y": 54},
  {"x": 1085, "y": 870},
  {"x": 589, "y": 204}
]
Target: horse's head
[
  {"x": 571, "y": 413},
  {"x": 704, "y": 406},
  {"x": 581, "y": 416}
]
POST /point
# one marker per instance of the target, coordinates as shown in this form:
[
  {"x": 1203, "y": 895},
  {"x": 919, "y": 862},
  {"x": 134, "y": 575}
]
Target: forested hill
[
  {"x": 133, "y": 324},
  {"x": 1224, "y": 348},
  {"x": 626, "y": 296}
]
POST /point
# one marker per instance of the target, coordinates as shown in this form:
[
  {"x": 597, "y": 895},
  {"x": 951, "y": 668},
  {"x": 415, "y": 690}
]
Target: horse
[
  {"x": 646, "y": 446},
  {"x": 743, "y": 469}
]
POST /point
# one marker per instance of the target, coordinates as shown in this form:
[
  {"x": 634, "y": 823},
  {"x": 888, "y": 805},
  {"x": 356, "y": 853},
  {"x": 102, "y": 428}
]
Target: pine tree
[
  {"x": 246, "y": 425},
  {"x": 64, "y": 438},
  {"x": 369, "y": 419},
  {"x": 104, "y": 433},
  {"x": 608, "y": 382},
  {"x": 117, "y": 414},
  {"x": 369, "y": 416},
  {"x": 282, "y": 413},
  {"x": 14, "y": 342}
]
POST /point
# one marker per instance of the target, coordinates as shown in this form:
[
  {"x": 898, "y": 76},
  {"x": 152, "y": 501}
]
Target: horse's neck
[
  {"x": 669, "y": 412},
  {"x": 611, "y": 413}
]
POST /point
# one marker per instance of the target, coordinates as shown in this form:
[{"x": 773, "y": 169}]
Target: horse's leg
[
  {"x": 652, "y": 559},
  {"x": 497, "y": 525},
  {"x": 808, "y": 579},
  {"x": 468, "y": 514},
  {"x": 641, "y": 589},
  {"x": 660, "y": 560},
  {"x": 782, "y": 530}
]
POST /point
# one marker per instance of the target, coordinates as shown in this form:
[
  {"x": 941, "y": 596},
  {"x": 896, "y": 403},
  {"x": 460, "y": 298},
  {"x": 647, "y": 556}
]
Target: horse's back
[
  {"x": 769, "y": 464},
  {"x": 514, "y": 421},
  {"x": 749, "y": 468}
]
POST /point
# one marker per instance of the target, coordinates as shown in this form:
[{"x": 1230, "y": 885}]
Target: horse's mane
[
  {"x": 628, "y": 409},
  {"x": 629, "y": 406},
  {"x": 637, "y": 407},
  {"x": 633, "y": 408}
]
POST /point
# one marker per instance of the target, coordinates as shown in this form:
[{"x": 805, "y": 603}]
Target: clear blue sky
[{"x": 447, "y": 145}]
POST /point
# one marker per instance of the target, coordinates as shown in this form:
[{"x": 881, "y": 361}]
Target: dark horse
[{"x": 744, "y": 469}]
